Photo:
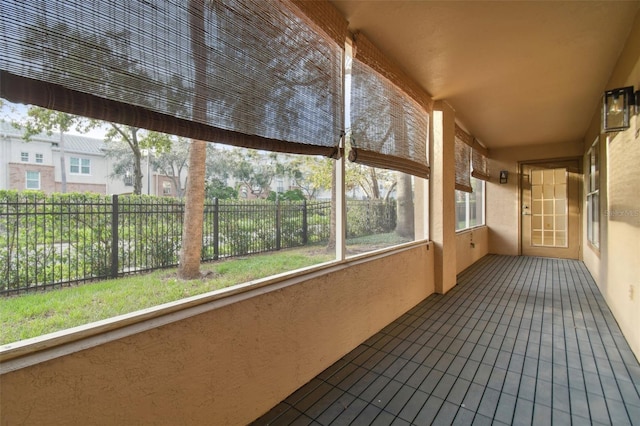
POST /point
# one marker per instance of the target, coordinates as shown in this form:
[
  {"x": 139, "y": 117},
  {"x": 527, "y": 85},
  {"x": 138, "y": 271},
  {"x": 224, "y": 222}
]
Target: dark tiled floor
[{"x": 519, "y": 340}]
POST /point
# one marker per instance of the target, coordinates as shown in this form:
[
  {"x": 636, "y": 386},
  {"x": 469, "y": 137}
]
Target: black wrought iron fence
[
  {"x": 56, "y": 239},
  {"x": 61, "y": 239}
]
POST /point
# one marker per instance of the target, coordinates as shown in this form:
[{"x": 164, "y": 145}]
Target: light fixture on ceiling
[{"x": 616, "y": 111}]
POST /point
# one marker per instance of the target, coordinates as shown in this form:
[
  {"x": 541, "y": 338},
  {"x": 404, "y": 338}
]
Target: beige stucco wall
[
  {"x": 442, "y": 196},
  {"x": 228, "y": 364},
  {"x": 616, "y": 265},
  {"x": 471, "y": 246},
  {"x": 503, "y": 200}
]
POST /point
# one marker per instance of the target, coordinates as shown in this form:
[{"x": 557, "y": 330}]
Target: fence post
[
  {"x": 216, "y": 229},
  {"x": 305, "y": 226},
  {"x": 278, "y": 227},
  {"x": 114, "y": 235}
]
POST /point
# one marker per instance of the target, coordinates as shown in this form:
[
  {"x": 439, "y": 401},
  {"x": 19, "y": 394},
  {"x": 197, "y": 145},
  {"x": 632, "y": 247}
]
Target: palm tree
[{"x": 189, "y": 267}]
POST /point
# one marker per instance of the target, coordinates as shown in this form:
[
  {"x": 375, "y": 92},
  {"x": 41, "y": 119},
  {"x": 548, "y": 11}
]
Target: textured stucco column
[{"x": 442, "y": 206}]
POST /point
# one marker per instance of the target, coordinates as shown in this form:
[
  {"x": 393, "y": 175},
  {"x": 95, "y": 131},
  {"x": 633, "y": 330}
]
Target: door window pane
[
  {"x": 536, "y": 222},
  {"x": 549, "y": 207}
]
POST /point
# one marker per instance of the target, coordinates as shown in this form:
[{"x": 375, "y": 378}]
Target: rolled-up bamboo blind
[
  {"x": 273, "y": 68},
  {"x": 389, "y": 114}
]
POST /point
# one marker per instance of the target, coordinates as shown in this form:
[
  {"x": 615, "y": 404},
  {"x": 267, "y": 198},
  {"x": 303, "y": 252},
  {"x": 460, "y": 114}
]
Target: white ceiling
[{"x": 516, "y": 72}]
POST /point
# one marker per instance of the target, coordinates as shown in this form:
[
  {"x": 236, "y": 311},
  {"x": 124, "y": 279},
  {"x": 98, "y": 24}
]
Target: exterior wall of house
[
  {"x": 471, "y": 246},
  {"x": 5, "y": 152},
  {"x": 221, "y": 362},
  {"x": 98, "y": 188},
  {"x": 31, "y": 148},
  {"x": 151, "y": 180},
  {"x": 170, "y": 190},
  {"x": 13, "y": 174},
  {"x": 12, "y": 166},
  {"x": 19, "y": 156},
  {"x": 615, "y": 265},
  {"x": 117, "y": 186},
  {"x": 503, "y": 200},
  {"x": 99, "y": 173},
  {"x": 18, "y": 176}
]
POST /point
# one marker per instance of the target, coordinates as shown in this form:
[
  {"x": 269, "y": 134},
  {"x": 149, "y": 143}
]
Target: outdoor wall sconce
[
  {"x": 616, "y": 111},
  {"x": 504, "y": 176}
]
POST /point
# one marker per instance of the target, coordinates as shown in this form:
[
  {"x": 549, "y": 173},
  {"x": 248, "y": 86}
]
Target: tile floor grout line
[
  {"x": 597, "y": 296},
  {"x": 588, "y": 307},
  {"x": 528, "y": 290},
  {"x": 536, "y": 277},
  {"x": 511, "y": 266},
  {"x": 515, "y": 307},
  {"x": 486, "y": 296},
  {"x": 521, "y": 372}
]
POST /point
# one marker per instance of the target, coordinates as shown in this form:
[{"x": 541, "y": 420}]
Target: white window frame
[
  {"x": 79, "y": 166},
  {"x": 27, "y": 179},
  {"x": 167, "y": 188},
  {"x": 24, "y": 157},
  {"x": 593, "y": 194},
  {"x": 39, "y": 158},
  {"x": 480, "y": 221},
  {"x": 128, "y": 179}
]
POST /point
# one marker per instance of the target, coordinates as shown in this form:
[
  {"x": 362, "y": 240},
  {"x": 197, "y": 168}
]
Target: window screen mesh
[
  {"x": 463, "y": 143},
  {"x": 389, "y": 115},
  {"x": 272, "y": 77}
]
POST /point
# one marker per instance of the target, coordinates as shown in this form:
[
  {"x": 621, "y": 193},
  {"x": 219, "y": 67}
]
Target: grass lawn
[{"x": 34, "y": 314}]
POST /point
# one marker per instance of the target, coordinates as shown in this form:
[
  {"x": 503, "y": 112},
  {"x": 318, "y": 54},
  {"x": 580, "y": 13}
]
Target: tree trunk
[
  {"x": 405, "y": 226},
  {"x": 137, "y": 173},
  {"x": 137, "y": 159},
  {"x": 176, "y": 183},
  {"x": 405, "y": 218},
  {"x": 375, "y": 186},
  {"x": 63, "y": 165},
  {"x": 189, "y": 267},
  {"x": 331, "y": 245}
]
